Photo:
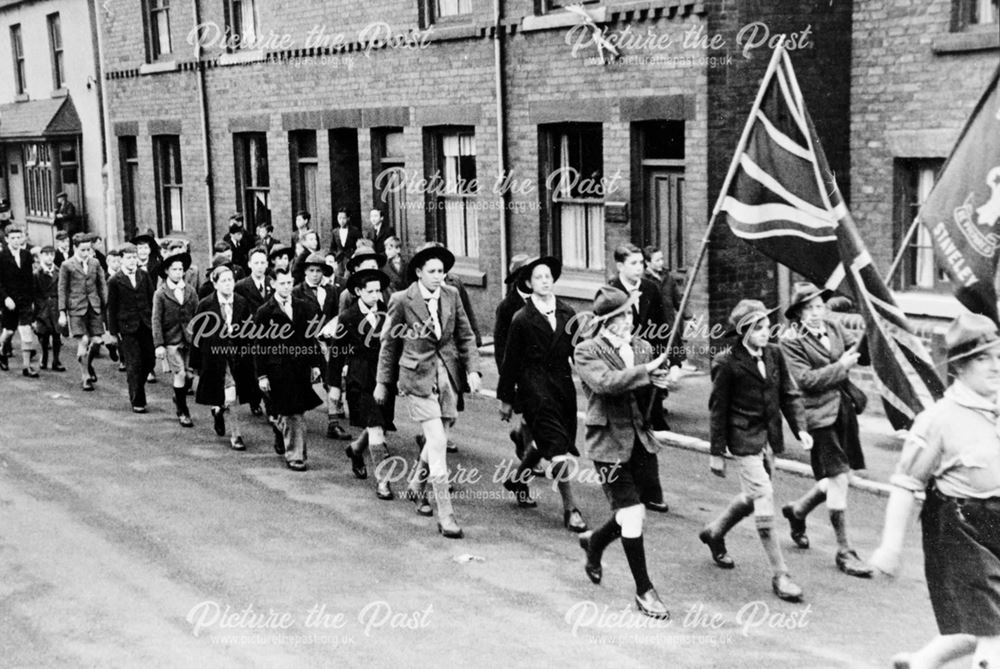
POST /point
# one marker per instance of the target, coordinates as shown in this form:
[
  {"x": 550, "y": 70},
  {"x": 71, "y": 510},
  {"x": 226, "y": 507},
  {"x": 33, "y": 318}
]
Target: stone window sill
[
  {"x": 242, "y": 57},
  {"x": 158, "y": 67},
  {"x": 971, "y": 40}
]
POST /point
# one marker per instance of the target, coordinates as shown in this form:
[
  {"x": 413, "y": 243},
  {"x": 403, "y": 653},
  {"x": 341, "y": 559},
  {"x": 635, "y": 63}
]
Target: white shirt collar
[
  {"x": 428, "y": 295},
  {"x": 630, "y": 286},
  {"x": 615, "y": 340}
]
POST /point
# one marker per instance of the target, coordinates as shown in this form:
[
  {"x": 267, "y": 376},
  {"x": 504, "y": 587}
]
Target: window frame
[
  {"x": 299, "y": 163},
  {"x": 130, "y": 194},
  {"x": 38, "y": 173},
  {"x": 248, "y": 180},
  {"x": 445, "y": 196},
  {"x": 56, "y": 50},
  {"x": 165, "y": 148},
  {"x": 242, "y": 43},
  {"x": 906, "y": 204},
  {"x": 152, "y": 10},
  {"x": 556, "y": 148},
  {"x": 17, "y": 56},
  {"x": 964, "y": 15}
]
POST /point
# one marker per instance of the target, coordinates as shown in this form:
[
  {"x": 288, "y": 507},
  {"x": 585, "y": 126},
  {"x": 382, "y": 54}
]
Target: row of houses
[{"x": 504, "y": 127}]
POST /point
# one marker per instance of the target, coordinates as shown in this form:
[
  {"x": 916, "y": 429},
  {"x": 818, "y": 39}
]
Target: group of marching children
[{"x": 370, "y": 326}]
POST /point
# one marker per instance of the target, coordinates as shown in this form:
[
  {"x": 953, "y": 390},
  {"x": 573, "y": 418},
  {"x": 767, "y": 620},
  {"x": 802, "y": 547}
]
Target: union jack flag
[{"x": 782, "y": 198}]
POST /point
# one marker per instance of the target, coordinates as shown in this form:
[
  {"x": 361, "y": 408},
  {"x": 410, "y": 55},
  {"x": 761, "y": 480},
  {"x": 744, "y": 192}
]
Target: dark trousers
[{"x": 140, "y": 358}]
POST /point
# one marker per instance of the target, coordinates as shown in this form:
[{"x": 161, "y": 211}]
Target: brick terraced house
[{"x": 514, "y": 126}]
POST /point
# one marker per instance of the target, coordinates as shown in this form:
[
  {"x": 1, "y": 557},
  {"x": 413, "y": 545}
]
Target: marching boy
[
  {"x": 47, "y": 308},
  {"x": 174, "y": 305},
  {"x": 751, "y": 389},
  {"x": 83, "y": 298},
  {"x": 618, "y": 372}
]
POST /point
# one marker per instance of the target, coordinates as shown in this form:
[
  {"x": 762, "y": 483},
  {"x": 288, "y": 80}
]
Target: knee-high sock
[
  {"x": 561, "y": 474},
  {"x": 45, "y": 349},
  {"x": 180, "y": 401},
  {"x": 739, "y": 508},
  {"x": 603, "y": 536},
  {"x": 635, "y": 552},
  {"x": 839, "y": 523},
  {"x": 803, "y": 505},
  {"x": 772, "y": 549}
]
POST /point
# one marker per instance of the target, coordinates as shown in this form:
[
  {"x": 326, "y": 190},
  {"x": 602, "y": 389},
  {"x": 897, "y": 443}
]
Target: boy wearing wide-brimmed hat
[
  {"x": 324, "y": 297},
  {"x": 751, "y": 389},
  {"x": 361, "y": 327},
  {"x": 820, "y": 355},
  {"x": 617, "y": 372},
  {"x": 517, "y": 294},
  {"x": 427, "y": 344},
  {"x": 174, "y": 305}
]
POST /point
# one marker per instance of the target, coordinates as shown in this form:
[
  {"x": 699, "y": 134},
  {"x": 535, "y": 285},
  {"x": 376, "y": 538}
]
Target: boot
[
  {"x": 797, "y": 521},
  {"x": 714, "y": 533},
  {"x": 416, "y": 491},
  {"x": 180, "y": 401},
  {"x": 446, "y": 515},
  {"x": 91, "y": 354}
]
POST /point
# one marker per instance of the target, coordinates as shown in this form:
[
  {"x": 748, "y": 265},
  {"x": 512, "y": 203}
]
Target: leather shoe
[
  {"x": 185, "y": 420},
  {"x": 901, "y": 660},
  {"x": 57, "y": 367},
  {"x": 136, "y": 409},
  {"x": 573, "y": 521},
  {"x": 28, "y": 373},
  {"x": 279, "y": 440},
  {"x": 785, "y": 589},
  {"x": 521, "y": 493},
  {"x": 849, "y": 563},
  {"x": 717, "y": 548},
  {"x": 449, "y": 529},
  {"x": 236, "y": 443},
  {"x": 798, "y": 526},
  {"x": 451, "y": 447},
  {"x": 515, "y": 436},
  {"x": 296, "y": 465},
  {"x": 113, "y": 352},
  {"x": 423, "y": 506},
  {"x": 649, "y": 604},
  {"x": 591, "y": 568},
  {"x": 334, "y": 431},
  {"x": 88, "y": 385},
  {"x": 219, "y": 417},
  {"x": 383, "y": 491},
  {"x": 358, "y": 467},
  {"x": 659, "y": 507}
]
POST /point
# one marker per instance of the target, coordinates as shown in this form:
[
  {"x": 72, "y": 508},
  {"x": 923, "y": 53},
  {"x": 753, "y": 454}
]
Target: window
[
  {"x": 157, "y": 24},
  {"x": 128, "y": 156},
  {"x": 435, "y": 11},
  {"x": 17, "y": 48},
  {"x": 543, "y": 6},
  {"x": 305, "y": 165},
  {"x": 573, "y": 183},
  {"x": 913, "y": 182},
  {"x": 241, "y": 24},
  {"x": 968, "y": 14},
  {"x": 253, "y": 190},
  {"x": 169, "y": 183},
  {"x": 56, "y": 49},
  {"x": 454, "y": 188},
  {"x": 39, "y": 195}
]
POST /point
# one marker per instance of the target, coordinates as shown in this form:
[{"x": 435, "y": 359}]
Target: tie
[
  {"x": 432, "y": 307},
  {"x": 286, "y": 306},
  {"x": 227, "y": 313},
  {"x": 550, "y": 316},
  {"x": 17, "y": 257},
  {"x": 760, "y": 365}
]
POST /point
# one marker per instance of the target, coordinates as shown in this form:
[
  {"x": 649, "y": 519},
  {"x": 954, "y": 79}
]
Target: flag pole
[
  {"x": 902, "y": 250},
  {"x": 740, "y": 147}
]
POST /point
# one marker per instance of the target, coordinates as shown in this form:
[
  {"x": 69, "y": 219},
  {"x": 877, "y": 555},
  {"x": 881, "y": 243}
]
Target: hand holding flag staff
[{"x": 780, "y": 197}]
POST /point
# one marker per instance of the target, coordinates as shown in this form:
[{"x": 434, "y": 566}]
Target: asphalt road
[{"x": 128, "y": 541}]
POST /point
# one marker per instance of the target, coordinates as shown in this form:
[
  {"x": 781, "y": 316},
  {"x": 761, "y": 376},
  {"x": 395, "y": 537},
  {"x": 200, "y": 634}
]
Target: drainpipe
[
  {"x": 110, "y": 204},
  {"x": 498, "y": 80},
  {"x": 206, "y": 137}
]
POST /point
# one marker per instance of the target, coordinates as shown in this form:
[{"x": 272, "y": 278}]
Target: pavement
[{"x": 126, "y": 540}]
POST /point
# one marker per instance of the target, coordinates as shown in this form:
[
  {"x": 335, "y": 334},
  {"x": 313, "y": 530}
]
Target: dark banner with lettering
[{"x": 963, "y": 208}]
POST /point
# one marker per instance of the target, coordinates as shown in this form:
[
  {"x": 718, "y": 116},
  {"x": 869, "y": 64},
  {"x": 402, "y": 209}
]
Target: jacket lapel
[
  {"x": 447, "y": 309},
  {"x": 417, "y": 304}
]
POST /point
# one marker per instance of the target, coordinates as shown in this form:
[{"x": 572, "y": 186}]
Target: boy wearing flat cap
[
  {"x": 751, "y": 389},
  {"x": 618, "y": 372}
]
